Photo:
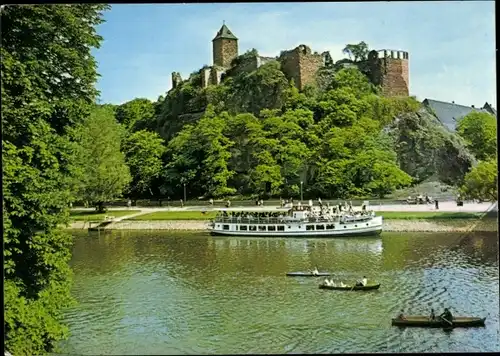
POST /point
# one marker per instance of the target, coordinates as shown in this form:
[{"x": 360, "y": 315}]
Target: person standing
[{"x": 129, "y": 203}]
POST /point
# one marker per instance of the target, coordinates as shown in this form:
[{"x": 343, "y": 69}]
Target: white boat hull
[{"x": 356, "y": 228}]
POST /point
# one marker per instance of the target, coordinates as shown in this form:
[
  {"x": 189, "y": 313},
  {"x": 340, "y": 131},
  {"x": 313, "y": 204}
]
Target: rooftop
[
  {"x": 224, "y": 32},
  {"x": 450, "y": 113}
]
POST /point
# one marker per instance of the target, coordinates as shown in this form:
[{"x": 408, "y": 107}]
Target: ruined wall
[
  {"x": 301, "y": 65},
  {"x": 224, "y": 51},
  {"x": 205, "y": 77},
  {"x": 390, "y": 70},
  {"x": 176, "y": 79},
  {"x": 216, "y": 75}
]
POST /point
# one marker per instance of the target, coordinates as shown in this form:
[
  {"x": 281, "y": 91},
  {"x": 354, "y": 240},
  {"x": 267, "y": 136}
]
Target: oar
[
  {"x": 353, "y": 287},
  {"x": 449, "y": 322}
]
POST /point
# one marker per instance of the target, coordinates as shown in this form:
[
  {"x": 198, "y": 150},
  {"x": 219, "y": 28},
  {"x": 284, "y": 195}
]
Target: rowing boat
[
  {"x": 367, "y": 287},
  {"x": 308, "y": 274},
  {"x": 425, "y": 321}
]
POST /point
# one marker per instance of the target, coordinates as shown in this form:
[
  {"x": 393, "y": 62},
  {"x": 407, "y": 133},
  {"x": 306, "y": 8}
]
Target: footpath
[{"x": 123, "y": 222}]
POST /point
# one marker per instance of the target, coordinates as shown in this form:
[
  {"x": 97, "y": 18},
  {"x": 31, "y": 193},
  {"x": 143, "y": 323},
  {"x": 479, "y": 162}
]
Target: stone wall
[
  {"x": 216, "y": 75},
  {"x": 205, "y": 77},
  {"x": 390, "y": 70},
  {"x": 224, "y": 51},
  {"x": 301, "y": 65},
  {"x": 176, "y": 79}
]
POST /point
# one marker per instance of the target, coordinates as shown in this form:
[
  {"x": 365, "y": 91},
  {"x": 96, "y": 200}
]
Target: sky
[{"x": 451, "y": 44}]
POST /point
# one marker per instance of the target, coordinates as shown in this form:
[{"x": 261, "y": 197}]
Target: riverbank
[{"x": 420, "y": 225}]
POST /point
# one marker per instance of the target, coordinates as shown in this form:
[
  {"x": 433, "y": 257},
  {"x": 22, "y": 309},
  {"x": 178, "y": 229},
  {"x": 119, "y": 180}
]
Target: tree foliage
[
  {"x": 143, "y": 151},
  {"x": 479, "y": 129},
  {"x": 48, "y": 76},
  {"x": 482, "y": 181},
  {"x": 357, "y": 52},
  {"x": 105, "y": 173}
]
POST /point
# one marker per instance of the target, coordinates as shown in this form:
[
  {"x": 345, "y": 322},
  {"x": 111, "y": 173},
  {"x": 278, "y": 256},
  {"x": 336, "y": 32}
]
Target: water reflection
[{"x": 147, "y": 293}]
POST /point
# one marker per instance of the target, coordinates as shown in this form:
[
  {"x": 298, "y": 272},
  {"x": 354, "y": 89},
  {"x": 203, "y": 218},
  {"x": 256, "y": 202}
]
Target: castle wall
[
  {"x": 391, "y": 72},
  {"x": 205, "y": 77},
  {"x": 176, "y": 79},
  {"x": 301, "y": 65},
  {"x": 224, "y": 51}
]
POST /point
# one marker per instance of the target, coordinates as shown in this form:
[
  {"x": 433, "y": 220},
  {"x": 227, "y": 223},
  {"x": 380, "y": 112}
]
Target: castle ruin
[{"x": 388, "y": 68}]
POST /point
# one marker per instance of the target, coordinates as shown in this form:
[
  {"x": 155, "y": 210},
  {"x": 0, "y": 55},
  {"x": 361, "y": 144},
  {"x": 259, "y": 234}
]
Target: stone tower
[
  {"x": 390, "y": 70},
  {"x": 225, "y": 47},
  {"x": 301, "y": 65}
]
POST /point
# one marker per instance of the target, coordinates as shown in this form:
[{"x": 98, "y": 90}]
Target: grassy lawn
[
  {"x": 82, "y": 215},
  {"x": 427, "y": 215},
  {"x": 176, "y": 215},
  {"x": 389, "y": 215}
]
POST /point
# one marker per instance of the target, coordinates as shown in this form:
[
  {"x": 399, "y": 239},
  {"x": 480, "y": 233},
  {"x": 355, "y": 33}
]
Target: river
[{"x": 142, "y": 293}]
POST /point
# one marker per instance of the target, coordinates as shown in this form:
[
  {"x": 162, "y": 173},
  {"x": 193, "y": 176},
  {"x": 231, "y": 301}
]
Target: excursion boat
[
  {"x": 425, "y": 321},
  {"x": 295, "y": 221}
]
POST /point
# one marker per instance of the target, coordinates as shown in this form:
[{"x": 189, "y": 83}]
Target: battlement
[
  {"x": 393, "y": 54},
  {"x": 390, "y": 69}
]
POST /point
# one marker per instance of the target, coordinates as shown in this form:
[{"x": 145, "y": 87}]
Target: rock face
[{"x": 425, "y": 148}]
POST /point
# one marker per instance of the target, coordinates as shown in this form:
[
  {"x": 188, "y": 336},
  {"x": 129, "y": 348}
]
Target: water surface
[{"x": 163, "y": 293}]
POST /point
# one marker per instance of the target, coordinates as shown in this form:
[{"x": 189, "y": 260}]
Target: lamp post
[
  {"x": 301, "y": 196},
  {"x": 184, "y": 193}
]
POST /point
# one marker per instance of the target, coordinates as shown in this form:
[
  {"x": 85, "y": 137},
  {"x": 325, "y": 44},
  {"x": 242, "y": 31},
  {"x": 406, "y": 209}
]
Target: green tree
[
  {"x": 357, "y": 52},
  {"x": 143, "y": 153},
  {"x": 479, "y": 129},
  {"x": 481, "y": 182},
  {"x": 106, "y": 174},
  {"x": 137, "y": 114},
  {"x": 48, "y": 76}
]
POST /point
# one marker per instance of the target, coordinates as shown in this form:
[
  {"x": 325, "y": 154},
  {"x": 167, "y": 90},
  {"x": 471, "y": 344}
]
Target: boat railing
[{"x": 250, "y": 221}]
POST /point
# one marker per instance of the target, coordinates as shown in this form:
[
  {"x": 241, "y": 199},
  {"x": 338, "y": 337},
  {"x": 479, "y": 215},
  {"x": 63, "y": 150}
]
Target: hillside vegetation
[{"x": 256, "y": 134}]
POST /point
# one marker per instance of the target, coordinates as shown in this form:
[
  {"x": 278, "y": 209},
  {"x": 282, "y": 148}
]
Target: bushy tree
[
  {"x": 105, "y": 173},
  {"x": 482, "y": 181},
  {"x": 143, "y": 153},
  {"x": 479, "y": 130},
  {"x": 48, "y": 76}
]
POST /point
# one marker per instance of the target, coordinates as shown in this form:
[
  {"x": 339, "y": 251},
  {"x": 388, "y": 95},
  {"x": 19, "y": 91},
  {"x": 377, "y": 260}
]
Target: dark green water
[{"x": 143, "y": 293}]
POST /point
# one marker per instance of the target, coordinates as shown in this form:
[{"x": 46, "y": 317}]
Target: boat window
[
  {"x": 355, "y": 225},
  {"x": 345, "y": 227},
  {"x": 309, "y": 227},
  {"x": 366, "y": 224},
  {"x": 330, "y": 227},
  {"x": 281, "y": 228},
  {"x": 252, "y": 228},
  {"x": 262, "y": 227},
  {"x": 236, "y": 227},
  {"x": 225, "y": 227},
  {"x": 320, "y": 227},
  {"x": 271, "y": 228},
  {"x": 243, "y": 228}
]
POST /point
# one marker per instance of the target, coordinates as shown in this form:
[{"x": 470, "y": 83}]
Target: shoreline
[{"x": 417, "y": 225}]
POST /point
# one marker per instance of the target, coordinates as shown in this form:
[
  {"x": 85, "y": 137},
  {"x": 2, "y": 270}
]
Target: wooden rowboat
[
  {"x": 307, "y": 274},
  {"x": 425, "y": 321},
  {"x": 367, "y": 287}
]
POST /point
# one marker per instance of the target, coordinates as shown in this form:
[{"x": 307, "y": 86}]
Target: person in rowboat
[
  {"x": 342, "y": 284},
  {"x": 361, "y": 283},
  {"x": 315, "y": 271},
  {"x": 432, "y": 316},
  {"x": 326, "y": 282},
  {"x": 446, "y": 315},
  {"x": 401, "y": 315}
]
